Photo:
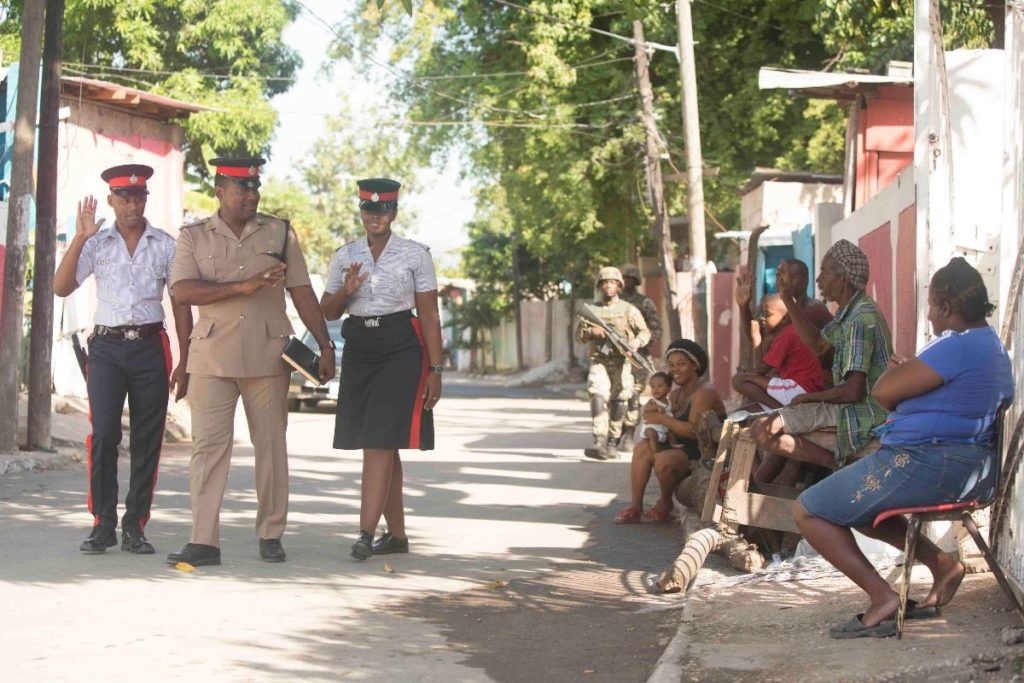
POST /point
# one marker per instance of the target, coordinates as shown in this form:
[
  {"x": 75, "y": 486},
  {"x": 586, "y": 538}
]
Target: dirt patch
[{"x": 586, "y": 620}]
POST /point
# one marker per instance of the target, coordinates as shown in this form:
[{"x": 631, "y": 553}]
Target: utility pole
[
  {"x": 694, "y": 167},
  {"x": 517, "y": 301},
  {"x": 655, "y": 186},
  {"x": 40, "y": 355},
  {"x": 13, "y": 305}
]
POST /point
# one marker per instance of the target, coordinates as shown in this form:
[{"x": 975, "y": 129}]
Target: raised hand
[
  {"x": 85, "y": 220},
  {"x": 353, "y": 279},
  {"x": 744, "y": 289}
]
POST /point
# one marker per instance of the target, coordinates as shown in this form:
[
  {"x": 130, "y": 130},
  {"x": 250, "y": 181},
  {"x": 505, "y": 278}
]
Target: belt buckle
[
  {"x": 371, "y": 322},
  {"x": 132, "y": 334}
]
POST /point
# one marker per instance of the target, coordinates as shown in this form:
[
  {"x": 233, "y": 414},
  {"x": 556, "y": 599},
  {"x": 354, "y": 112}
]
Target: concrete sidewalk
[{"x": 773, "y": 626}]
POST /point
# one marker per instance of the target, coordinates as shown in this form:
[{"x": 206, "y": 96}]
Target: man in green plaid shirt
[{"x": 860, "y": 338}]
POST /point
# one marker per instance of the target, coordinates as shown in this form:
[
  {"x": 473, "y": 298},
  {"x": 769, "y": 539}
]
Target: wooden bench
[{"x": 746, "y": 503}]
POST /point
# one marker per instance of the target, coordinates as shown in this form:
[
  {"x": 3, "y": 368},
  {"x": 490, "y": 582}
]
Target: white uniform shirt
[
  {"x": 129, "y": 288},
  {"x": 403, "y": 268}
]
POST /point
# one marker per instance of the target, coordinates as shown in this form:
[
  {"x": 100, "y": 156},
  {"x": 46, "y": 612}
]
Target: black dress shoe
[
  {"x": 389, "y": 545},
  {"x": 196, "y": 554},
  {"x": 134, "y": 542},
  {"x": 271, "y": 550},
  {"x": 101, "y": 538},
  {"x": 362, "y": 549}
]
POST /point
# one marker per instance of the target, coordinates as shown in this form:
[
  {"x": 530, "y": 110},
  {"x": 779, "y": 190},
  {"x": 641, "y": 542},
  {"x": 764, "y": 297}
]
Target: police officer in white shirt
[
  {"x": 129, "y": 352},
  {"x": 392, "y": 364}
]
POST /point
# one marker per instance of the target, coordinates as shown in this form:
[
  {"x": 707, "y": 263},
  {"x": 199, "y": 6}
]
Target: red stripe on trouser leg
[
  {"x": 165, "y": 342},
  {"x": 417, "y": 406},
  {"x": 88, "y": 452}
]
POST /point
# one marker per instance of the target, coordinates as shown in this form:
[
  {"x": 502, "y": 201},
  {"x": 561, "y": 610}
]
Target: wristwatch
[
  {"x": 330, "y": 342},
  {"x": 437, "y": 369}
]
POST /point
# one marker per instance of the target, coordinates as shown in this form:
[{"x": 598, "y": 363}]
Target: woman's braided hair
[{"x": 960, "y": 285}]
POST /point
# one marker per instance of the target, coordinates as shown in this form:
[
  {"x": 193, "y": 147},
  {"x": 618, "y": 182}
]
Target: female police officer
[{"x": 391, "y": 368}]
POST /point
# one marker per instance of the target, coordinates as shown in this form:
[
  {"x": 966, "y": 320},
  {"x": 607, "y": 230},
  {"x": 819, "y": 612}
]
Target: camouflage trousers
[
  {"x": 639, "y": 378},
  {"x": 610, "y": 384}
]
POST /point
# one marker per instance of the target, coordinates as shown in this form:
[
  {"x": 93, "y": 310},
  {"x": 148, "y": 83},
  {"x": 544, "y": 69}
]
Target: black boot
[
  {"x": 626, "y": 441},
  {"x": 599, "y": 451}
]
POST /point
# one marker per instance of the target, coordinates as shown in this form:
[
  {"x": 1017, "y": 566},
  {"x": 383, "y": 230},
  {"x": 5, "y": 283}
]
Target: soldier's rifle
[{"x": 589, "y": 316}]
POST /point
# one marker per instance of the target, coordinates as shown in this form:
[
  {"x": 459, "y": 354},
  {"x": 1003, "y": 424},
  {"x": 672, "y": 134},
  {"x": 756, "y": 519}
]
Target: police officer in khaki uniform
[
  {"x": 630, "y": 293},
  {"x": 235, "y": 266},
  {"x": 610, "y": 382}
]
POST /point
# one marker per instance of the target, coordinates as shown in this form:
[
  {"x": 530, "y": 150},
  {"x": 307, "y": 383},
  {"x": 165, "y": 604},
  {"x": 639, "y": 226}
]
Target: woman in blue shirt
[{"x": 938, "y": 446}]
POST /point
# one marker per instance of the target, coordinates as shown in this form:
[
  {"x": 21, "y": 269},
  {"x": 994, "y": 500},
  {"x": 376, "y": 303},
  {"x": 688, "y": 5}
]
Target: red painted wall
[
  {"x": 877, "y": 246},
  {"x": 885, "y": 141}
]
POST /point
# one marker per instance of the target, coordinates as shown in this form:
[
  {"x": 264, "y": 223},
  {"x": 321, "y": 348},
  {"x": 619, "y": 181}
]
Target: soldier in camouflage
[
  {"x": 631, "y": 278},
  {"x": 610, "y": 382}
]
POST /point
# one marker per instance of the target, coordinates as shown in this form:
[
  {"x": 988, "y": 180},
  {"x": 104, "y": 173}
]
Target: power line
[{"x": 609, "y": 34}]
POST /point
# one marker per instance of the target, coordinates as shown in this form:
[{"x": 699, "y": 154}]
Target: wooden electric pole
[
  {"x": 40, "y": 354},
  {"x": 655, "y": 186},
  {"x": 694, "y": 171},
  {"x": 12, "y": 308}
]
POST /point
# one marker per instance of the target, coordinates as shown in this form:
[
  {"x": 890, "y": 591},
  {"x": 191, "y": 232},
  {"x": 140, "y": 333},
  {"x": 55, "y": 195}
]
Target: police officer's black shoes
[
  {"x": 388, "y": 545},
  {"x": 196, "y": 554},
  {"x": 134, "y": 542},
  {"x": 271, "y": 550},
  {"x": 362, "y": 549},
  {"x": 599, "y": 451},
  {"x": 101, "y": 538}
]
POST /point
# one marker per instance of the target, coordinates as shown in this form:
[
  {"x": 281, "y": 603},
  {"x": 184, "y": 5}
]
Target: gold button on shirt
[{"x": 241, "y": 336}]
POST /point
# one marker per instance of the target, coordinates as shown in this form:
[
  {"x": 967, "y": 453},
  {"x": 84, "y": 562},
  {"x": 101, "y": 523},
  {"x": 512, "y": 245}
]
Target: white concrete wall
[
  {"x": 1009, "y": 550},
  {"x": 785, "y": 206}
]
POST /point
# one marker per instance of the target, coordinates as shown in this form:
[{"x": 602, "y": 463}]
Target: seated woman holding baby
[
  {"x": 938, "y": 446},
  {"x": 691, "y": 395}
]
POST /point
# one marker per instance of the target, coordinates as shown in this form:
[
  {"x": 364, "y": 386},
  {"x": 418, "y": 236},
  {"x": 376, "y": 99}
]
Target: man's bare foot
[
  {"x": 876, "y": 614},
  {"x": 947, "y": 581}
]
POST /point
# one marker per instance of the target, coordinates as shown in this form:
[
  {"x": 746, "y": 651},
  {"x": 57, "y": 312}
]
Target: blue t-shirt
[{"x": 977, "y": 379}]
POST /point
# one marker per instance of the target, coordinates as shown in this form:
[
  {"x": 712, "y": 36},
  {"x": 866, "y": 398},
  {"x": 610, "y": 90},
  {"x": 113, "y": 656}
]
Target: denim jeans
[{"x": 903, "y": 476}]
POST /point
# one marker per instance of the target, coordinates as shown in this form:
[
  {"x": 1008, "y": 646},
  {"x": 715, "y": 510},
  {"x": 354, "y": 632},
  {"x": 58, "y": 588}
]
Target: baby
[{"x": 660, "y": 384}]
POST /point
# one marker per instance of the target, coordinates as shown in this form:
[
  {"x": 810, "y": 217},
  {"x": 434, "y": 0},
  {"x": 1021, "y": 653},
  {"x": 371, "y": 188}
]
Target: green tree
[{"x": 226, "y": 54}]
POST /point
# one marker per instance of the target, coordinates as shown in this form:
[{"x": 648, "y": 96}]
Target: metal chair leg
[
  {"x": 913, "y": 530},
  {"x": 972, "y": 529}
]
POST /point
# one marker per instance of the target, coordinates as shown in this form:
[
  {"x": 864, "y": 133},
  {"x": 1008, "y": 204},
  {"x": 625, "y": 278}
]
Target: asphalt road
[{"x": 516, "y": 572}]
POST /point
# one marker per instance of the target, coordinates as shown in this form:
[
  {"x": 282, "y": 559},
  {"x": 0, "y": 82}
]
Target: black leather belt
[
  {"x": 380, "y": 320},
  {"x": 129, "y": 332}
]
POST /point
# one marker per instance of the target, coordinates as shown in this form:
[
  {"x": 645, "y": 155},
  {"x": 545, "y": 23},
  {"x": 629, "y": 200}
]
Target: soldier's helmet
[
  {"x": 610, "y": 273},
  {"x": 630, "y": 270}
]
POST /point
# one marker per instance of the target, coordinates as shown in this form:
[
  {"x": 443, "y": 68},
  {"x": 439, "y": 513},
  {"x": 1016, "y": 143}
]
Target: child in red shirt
[{"x": 787, "y": 367}]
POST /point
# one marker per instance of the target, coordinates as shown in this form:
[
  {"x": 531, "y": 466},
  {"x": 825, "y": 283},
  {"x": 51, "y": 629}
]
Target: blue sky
[{"x": 442, "y": 207}]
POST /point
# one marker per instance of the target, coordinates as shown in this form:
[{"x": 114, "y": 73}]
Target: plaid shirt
[{"x": 862, "y": 343}]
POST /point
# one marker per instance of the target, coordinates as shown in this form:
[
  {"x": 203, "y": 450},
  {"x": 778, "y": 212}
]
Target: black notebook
[{"x": 303, "y": 359}]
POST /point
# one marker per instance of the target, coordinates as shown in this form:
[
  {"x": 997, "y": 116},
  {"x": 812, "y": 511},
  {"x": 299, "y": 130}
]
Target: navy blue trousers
[{"x": 138, "y": 370}]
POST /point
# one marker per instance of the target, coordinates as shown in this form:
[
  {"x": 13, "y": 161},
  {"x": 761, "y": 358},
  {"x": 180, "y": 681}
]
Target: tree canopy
[
  {"x": 226, "y": 54},
  {"x": 543, "y": 103}
]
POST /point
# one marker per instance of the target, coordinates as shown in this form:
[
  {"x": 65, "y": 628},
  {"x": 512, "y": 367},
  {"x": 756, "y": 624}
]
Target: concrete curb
[
  {"x": 38, "y": 461},
  {"x": 668, "y": 668}
]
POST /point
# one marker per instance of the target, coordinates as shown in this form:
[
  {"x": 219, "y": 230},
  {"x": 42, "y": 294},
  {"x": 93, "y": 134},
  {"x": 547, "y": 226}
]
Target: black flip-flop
[
  {"x": 855, "y": 628},
  {"x": 915, "y": 612}
]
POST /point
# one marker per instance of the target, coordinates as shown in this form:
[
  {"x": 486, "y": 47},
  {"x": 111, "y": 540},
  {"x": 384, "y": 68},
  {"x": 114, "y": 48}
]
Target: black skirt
[{"x": 383, "y": 376}]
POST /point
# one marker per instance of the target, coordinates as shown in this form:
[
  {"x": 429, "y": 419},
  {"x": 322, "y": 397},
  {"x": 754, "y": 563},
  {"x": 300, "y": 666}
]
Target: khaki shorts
[{"x": 809, "y": 417}]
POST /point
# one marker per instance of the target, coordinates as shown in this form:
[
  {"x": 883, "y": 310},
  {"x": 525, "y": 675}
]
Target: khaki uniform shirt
[{"x": 241, "y": 336}]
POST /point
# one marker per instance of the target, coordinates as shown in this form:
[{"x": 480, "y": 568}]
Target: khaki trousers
[{"x": 212, "y": 401}]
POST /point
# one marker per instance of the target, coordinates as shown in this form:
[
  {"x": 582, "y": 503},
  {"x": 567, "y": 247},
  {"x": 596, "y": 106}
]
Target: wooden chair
[{"x": 962, "y": 512}]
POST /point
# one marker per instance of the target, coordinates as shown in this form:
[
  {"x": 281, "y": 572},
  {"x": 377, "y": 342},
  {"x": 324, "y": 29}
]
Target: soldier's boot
[
  {"x": 599, "y": 451},
  {"x": 628, "y": 439},
  {"x": 616, "y": 413}
]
